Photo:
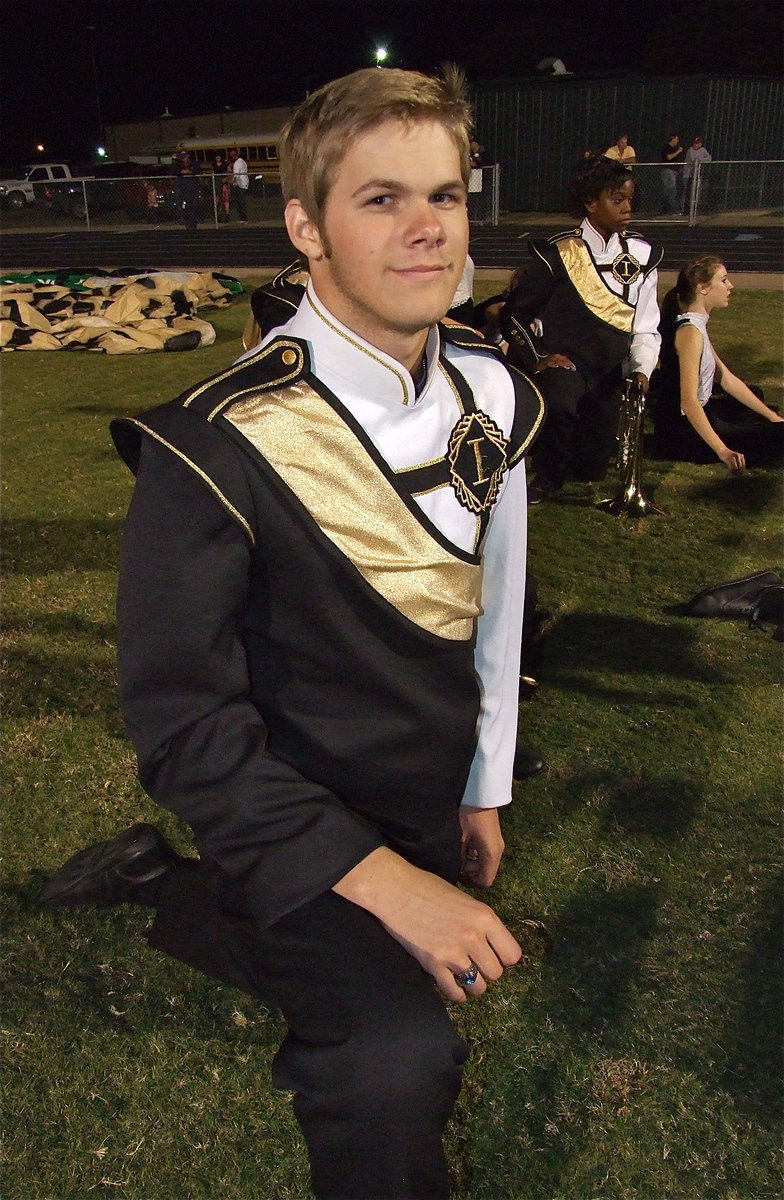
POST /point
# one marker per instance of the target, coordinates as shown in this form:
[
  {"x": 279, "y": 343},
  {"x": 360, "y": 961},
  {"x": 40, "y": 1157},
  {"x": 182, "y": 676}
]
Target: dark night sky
[{"x": 196, "y": 56}]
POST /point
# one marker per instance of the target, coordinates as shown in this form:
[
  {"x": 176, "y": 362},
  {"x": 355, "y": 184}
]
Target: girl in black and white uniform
[{"x": 725, "y": 418}]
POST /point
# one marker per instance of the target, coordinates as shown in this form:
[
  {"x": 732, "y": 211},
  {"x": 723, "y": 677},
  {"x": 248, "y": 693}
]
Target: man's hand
[
  {"x": 643, "y": 380},
  {"x": 555, "y": 360},
  {"x": 483, "y": 845},
  {"x": 442, "y": 927}
]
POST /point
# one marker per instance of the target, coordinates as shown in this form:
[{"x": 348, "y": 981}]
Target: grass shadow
[
  {"x": 607, "y": 642},
  {"x": 756, "y": 1064},
  {"x": 751, "y": 490},
  {"x": 599, "y": 941},
  {"x": 662, "y": 807},
  {"x": 61, "y": 624},
  {"x": 40, "y": 547},
  {"x": 41, "y": 683}
]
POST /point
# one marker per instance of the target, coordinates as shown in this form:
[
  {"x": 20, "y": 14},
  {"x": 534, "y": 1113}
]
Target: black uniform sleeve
[
  {"x": 184, "y": 693},
  {"x": 525, "y": 303}
]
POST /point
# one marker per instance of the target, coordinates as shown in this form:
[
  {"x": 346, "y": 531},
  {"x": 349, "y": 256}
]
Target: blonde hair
[{"x": 318, "y": 134}]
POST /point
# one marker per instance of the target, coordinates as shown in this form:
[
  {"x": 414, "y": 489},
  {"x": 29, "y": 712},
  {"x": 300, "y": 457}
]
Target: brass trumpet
[{"x": 631, "y": 424}]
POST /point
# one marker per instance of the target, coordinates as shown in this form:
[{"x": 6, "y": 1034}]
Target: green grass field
[{"x": 639, "y": 1060}]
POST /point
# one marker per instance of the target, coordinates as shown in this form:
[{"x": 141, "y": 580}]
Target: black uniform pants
[
  {"x": 578, "y": 436},
  {"x": 739, "y": 427},
  {"x": 371, "y": 1054}
]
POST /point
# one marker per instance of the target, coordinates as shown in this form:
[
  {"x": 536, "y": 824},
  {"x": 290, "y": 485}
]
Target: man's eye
[
  {"x": 444, "y": 198},
  {"x": 381, "y": 201}
]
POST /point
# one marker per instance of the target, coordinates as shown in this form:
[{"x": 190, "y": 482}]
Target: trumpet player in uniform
[{"x": 591, "y": 292}]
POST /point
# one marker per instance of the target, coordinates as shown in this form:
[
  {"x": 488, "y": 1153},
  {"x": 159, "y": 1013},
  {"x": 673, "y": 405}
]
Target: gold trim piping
[
  {"x": 359, "y": 346},
  {"x": 524, "y": 444},
  {"x": 357, "y": 507},
  {"x": 238, "y": 517},
  {"x": 539, "y": 254},
  {"x": 432, "y": 462}
]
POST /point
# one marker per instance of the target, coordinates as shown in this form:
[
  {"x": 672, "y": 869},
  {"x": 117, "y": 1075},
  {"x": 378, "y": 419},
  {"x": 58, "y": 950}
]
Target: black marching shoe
[
  {"x": 526, "y": 763},
  {"x": 110, "y": 872}
]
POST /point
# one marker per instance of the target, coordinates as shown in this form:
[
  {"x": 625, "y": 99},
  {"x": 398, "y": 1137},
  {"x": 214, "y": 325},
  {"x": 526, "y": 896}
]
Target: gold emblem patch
[
  {"x": 626, "y": 269},
  {"x": 477, "y": 460}
]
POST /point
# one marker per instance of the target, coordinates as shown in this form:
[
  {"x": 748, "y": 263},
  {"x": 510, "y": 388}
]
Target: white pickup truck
[{"x": 16, "y": 193}]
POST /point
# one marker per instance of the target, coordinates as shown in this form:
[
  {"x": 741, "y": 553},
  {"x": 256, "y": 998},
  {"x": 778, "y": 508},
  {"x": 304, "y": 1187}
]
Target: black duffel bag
[{"x": 734, "y": 599}]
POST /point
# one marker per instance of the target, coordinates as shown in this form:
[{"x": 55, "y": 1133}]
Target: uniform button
[{"x": 289, "y": 357}]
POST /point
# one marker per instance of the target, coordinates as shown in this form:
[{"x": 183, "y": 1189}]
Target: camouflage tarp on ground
[{"x": 116, "y": 315}]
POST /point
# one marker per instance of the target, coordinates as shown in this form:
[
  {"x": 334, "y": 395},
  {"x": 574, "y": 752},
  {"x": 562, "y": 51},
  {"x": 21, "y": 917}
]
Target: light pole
[
  {"x": 381, "y": 55},
  {"x": 90, "y": 29}
]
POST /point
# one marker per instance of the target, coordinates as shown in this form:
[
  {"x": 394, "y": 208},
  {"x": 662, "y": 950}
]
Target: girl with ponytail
[{"x": 732, "y": 422}]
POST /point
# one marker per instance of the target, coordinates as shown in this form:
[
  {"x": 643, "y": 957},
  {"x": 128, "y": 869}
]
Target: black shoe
[
  {"x": 526, "y": 763},
  {"x": 110, "y": 872},
  {"x": 541, "y": 487}
]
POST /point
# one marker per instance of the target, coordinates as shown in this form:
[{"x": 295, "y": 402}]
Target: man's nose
[{"x": 425, "y": 223}]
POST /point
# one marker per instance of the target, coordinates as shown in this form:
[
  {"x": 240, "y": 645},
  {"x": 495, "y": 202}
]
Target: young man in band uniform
[
  {"x": 583, "y": 315},
  {"x": 319, "y": 629}
]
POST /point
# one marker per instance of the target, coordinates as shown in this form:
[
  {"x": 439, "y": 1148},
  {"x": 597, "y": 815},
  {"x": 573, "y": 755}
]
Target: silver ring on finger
[{"x": 468, "y": 977}]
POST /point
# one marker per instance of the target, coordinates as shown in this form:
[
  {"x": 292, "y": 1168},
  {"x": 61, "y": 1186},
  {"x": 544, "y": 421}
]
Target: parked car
[{"x": 22, "y": 189}]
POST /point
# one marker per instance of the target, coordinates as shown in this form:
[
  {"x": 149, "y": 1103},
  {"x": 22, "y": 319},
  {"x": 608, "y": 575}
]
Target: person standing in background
[
  {"x": 672, "y": 156},
  {"x": 187, "y": 171},
  {"x": 239, "y": 183},
  {"x": 697, "y": 153}
]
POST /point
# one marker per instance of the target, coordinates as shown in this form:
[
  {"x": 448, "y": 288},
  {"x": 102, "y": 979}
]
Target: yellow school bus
[{"x": 260, "y": 151}]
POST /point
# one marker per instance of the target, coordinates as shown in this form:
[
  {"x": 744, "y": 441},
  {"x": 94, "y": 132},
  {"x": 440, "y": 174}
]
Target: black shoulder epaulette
[
  {"x": 565, "y": 233},
  {"x": 544, "y": 249},
  {"x": 281, "y": 361},
  {"x": 657, "y": 254},
  {"x": 184, "y": 425},
  {"x": 467, "y": 338}
]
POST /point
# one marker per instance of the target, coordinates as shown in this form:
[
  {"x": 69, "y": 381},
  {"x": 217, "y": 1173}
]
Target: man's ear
[{"x": 303, "y": 231}]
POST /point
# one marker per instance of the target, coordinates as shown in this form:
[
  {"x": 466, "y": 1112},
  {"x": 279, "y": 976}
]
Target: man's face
[
  {"x": 391, "y": 246},
  {"x": 612, "y": 211},
  {"x": 623, "y": 142}
]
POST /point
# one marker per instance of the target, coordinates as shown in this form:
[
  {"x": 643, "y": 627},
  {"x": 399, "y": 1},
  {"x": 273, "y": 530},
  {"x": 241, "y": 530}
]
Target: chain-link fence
[
  {"x": 145, "y": 200},
  {"x": 693, "y": 193},
  {"x": 736, "y": 186},
  {"x": 165, "y": 199},
  {"x": 483, "y": 195}
]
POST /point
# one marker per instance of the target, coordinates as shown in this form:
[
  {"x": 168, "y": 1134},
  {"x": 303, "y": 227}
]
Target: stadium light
[{"x": 381, "y": 55}]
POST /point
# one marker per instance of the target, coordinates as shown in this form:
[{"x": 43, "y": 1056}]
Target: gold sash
[
  {"x": 324, "y": 464},
  {"x": 595, "y": 295}
]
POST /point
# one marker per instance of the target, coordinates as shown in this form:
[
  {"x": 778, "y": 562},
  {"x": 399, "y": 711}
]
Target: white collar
[
  {"x": 341, "y": 357},
  {"x": 597, "y": 242}
]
